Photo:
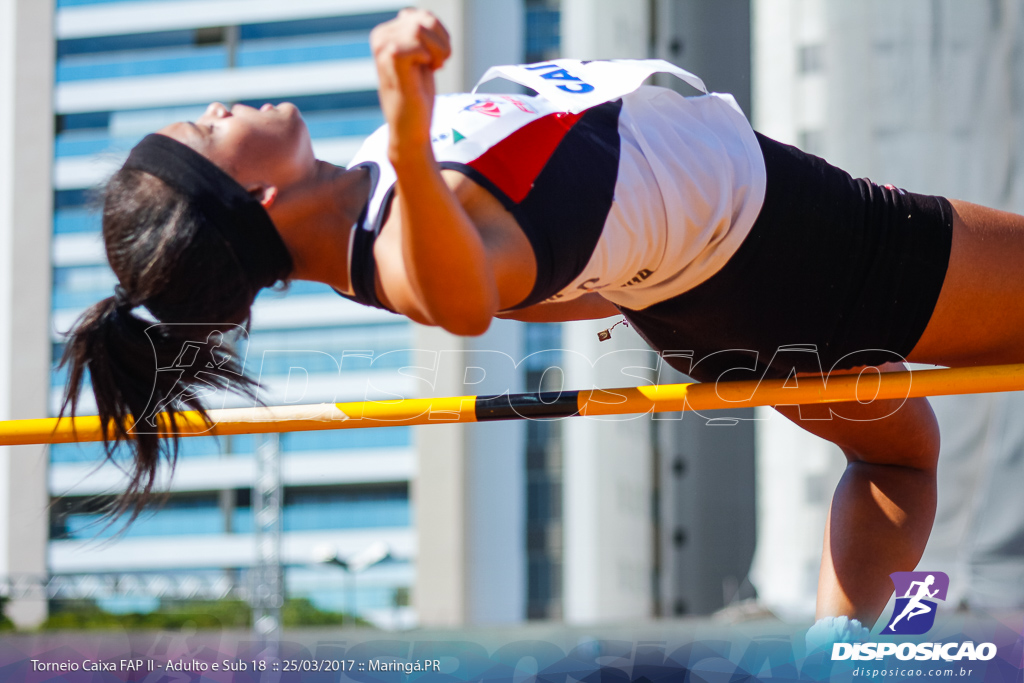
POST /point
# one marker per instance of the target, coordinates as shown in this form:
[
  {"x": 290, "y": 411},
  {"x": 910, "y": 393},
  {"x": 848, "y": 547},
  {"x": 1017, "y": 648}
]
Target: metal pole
[
  {"x": 268, "y": 574},
  {"x": 352, "y": 596}
]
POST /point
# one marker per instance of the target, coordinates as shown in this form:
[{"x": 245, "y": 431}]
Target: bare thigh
[
  {"x": 979, "y": 316},
  {"x": 890, "y": 432}
]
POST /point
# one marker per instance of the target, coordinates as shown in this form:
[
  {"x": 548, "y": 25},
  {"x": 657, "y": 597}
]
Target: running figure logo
[{"x": 914, "y": 613}]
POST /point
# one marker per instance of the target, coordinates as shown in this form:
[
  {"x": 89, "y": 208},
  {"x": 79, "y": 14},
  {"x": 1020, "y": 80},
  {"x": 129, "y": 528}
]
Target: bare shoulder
[
  {"x": 491, "y": 218},
  {"x": 508, "y": 248},
  {"x": 509, "y": 253}
]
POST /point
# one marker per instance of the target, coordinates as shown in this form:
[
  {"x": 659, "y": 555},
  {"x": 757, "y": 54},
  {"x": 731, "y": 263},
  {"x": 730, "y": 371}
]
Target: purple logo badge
[{"x": 916, "y": 596}]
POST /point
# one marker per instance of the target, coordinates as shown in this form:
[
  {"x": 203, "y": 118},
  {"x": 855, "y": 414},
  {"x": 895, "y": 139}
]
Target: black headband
[{"x": 237, "y": 216}]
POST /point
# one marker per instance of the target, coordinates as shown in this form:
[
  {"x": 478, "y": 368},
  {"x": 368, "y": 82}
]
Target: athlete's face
[{"x": 260, "y": 148}]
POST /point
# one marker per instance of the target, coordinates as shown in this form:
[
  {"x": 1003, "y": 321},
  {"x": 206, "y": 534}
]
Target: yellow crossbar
[{"x": 865, "y": 387}]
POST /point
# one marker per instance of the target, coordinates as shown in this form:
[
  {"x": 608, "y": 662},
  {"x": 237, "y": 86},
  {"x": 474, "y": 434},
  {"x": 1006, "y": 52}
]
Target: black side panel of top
[
  {"x": 548, "y": 404},
  {"x": 565, "y": 211},
  {"x": 362, "y": 270}
]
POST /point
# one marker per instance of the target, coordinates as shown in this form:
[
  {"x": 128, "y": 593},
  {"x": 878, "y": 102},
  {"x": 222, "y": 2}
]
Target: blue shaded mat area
[{"x": 688, "y": 651}]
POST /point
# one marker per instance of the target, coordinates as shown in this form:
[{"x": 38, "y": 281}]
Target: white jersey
[{"x": 634, "y": 192}]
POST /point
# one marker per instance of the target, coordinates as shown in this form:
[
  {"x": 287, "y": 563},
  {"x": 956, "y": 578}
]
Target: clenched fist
[{"x": 407, "y": 50}]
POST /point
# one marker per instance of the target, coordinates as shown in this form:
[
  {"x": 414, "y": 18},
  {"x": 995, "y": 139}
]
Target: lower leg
[
  {"x": 879, "y": 523},
  {"x": 884, "y": 506}
]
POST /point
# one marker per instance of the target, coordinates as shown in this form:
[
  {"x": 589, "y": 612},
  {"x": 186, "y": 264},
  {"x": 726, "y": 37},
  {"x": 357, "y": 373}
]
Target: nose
[{"x": 216, "y": 110}]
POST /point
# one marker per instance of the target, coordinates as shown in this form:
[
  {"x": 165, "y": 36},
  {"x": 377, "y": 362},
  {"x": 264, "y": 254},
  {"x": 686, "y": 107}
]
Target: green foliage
[
  {"x": 302, "y": 612},
  {"x": 83, "y": 615},
  {"x": 5, "y": 623},
  {"x": 172, "y": 615}
]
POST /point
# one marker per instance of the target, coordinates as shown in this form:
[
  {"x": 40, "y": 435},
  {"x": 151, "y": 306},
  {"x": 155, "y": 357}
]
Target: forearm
[
  {"x": 443, "y": 259},
  {"x": 443, "y": 253}
]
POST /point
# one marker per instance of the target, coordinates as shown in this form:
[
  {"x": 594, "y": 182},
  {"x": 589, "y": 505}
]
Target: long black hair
[{"x": 188, "y": 260}]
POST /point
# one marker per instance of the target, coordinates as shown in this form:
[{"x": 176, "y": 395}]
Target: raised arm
[{"x": 444, "y": 257}]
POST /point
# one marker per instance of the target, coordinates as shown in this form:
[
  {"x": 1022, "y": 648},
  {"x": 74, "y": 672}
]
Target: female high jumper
[{"x": 668, "y": 210}]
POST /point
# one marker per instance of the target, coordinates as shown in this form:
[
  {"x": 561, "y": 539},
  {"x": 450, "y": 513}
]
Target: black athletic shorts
[{"x": 836, "y": 272}]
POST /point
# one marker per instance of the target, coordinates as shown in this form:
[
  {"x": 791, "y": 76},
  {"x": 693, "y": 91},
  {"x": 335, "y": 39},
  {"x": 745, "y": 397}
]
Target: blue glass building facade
[
  {"x": 126, "y": 68},
  {"x": 116, "y": 81}
]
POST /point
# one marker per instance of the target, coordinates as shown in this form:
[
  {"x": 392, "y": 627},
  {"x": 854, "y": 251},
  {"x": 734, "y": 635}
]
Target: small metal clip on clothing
[{"x": 605, "y": 335}]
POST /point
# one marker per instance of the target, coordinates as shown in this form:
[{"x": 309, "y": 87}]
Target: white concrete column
[
  {"x": 26, "y": 152},
  {"x": 452, "y": 13},
  {"x": 774, "y": 67},
  {"x": 483, "y": 32},
  {"x": 439, "y": 495},
  {"x": 606, "y": 29},
  {"x": 495, "y": 34},
  {"x": 469, "y": 492},
  {"x": 796, "y": 475},
  {"x": 607, "y": 478},
  {"x": 496, "y": 484}
]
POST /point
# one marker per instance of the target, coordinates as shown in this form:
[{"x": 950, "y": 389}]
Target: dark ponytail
[{"x": 171, "y": 257}]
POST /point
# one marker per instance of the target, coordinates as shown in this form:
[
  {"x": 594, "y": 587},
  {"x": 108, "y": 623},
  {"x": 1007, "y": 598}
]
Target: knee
[
  {"x": 926, "y": 444},
  {"x": 898, "y": 433},
  {"x": 911, "y": 439}
]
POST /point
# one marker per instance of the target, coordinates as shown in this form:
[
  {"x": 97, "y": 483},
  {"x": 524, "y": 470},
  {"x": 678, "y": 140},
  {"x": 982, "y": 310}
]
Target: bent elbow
[
  {"x": 467, "y": 326},
  {"x": 468, "y": 317},
  {"x": 464, "y": 321}
]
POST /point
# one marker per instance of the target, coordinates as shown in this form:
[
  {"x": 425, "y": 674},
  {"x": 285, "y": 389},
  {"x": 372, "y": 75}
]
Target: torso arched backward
[{"x": 634, "y": 192}]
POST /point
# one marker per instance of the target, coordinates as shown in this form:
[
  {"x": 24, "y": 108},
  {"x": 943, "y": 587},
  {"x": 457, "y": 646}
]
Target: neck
[{"x": 315, "y": 217}]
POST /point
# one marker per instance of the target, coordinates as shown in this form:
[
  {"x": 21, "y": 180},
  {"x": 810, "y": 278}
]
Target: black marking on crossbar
[{"x": 519, "y": 406}]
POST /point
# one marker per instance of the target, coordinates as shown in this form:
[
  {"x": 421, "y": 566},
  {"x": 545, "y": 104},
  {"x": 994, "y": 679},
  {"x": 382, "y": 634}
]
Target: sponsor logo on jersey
[
  {"x": 485, "y": 107},
  {"x": 640, "y": 276},
  {"x": 591, "y": 285},
  {"x": 455, "y": 137},
  {"x": 553, "y": 72},
  {"x": 519, "y": 104}
]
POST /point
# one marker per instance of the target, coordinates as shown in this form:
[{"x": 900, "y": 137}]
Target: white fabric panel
[
  {"x": 978, "y": 537},
  {"x": 927, "y": 95}
]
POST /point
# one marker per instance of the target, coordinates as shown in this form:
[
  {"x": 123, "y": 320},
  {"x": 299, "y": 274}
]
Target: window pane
[
  {"x": 141, "y": 63},
  {"x": 305, "y": 49}
]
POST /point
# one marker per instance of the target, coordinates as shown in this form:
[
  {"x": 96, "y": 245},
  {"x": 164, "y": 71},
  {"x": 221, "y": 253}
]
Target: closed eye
[{"x": 203, "y": 130}]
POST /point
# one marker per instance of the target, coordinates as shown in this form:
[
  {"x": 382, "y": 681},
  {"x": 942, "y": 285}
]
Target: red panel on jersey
[{"x": 514, "y": 163}]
